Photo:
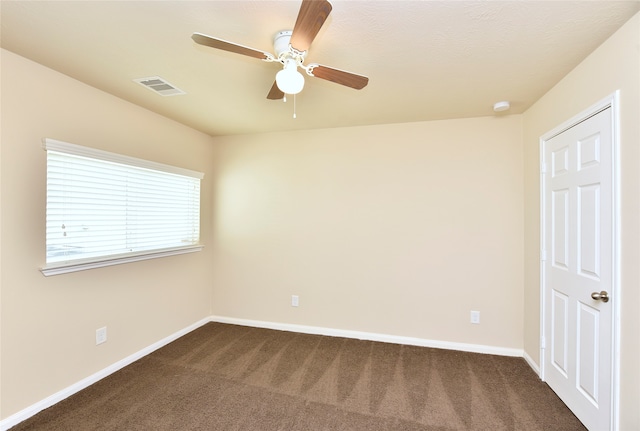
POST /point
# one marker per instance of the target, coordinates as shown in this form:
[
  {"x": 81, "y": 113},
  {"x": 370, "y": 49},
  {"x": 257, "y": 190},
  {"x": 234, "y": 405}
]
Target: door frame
[{"x": 612, "y": 102}]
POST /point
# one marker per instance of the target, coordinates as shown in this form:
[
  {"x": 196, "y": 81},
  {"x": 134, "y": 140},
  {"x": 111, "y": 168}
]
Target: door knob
[{"x": 600, "y": 296}]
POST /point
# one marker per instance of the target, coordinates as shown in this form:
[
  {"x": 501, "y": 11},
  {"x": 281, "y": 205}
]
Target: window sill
[{"x": 58, "y": 268}]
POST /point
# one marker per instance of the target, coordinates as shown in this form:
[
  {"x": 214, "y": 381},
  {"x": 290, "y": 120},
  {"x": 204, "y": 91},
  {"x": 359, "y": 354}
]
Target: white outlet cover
[
  {"x": 101, "y": 335},
  {"x": 475, "y": 317}
]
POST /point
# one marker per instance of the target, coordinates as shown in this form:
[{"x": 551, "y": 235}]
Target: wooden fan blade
[
  {"x": 312, "y": 15},
  {"x": 203, "y": 39},
  {"x": 339, "y": 76},
  {"x": 275, "y": 93}
]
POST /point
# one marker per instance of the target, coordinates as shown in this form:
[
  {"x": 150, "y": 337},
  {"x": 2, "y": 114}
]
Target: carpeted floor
[{"x": 228, "y": 377}]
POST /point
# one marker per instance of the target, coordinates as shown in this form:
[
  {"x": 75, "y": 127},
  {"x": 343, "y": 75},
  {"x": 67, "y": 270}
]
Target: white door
[{"x": 578, "y": 245}]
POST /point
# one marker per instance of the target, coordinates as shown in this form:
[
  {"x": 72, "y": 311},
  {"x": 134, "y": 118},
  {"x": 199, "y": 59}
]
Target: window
[{"x": 104, "y": 209}]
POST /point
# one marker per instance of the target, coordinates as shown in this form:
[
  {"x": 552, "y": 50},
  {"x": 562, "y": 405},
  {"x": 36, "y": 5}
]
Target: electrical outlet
[
  {"x": 475, "y": 317},
  {"x": 294, "y": 300},
  {"x": 101, "y": 335}
]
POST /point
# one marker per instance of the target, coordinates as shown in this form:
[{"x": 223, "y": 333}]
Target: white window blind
[{"x": 103, "y": 207}]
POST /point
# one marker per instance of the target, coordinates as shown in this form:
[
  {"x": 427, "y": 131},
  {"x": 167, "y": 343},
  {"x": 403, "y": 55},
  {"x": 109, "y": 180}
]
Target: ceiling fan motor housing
[
  {"x": 281, "y": 42},
  {"x": 283, "y": 49}
]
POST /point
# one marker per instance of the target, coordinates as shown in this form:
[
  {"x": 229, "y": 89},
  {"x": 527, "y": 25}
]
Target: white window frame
[{"x": 73, "y": 265}]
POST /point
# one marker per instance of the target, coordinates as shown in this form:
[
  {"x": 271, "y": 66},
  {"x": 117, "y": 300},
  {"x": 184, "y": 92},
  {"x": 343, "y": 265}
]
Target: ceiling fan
[{"x": 291, "y": 49}]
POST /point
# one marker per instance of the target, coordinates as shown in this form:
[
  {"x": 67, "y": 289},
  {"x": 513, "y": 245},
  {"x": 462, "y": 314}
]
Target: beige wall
[
  {"x": 48, "y": 324},
  {"x": 613, "y": 66},
  {"x": 396, "y": 229}
]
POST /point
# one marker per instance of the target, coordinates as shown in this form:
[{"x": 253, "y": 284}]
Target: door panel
[
  {"x": 589, "y": 231},
  {"x": 588, "y": 352},
  {"x": 560, "y": 228},
  {"x": 559, "y": 334}
]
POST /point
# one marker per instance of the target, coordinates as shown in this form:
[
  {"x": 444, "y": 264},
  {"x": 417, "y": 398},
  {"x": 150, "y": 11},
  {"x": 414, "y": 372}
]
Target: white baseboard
[
  {"x": 370, "y": 336},
  {"x": 531, "y": 363},
  {"x": 26, "y": 413}
]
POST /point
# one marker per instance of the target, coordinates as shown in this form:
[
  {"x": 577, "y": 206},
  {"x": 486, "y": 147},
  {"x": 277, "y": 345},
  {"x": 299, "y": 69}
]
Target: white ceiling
[{"x": 426, "y": 60}]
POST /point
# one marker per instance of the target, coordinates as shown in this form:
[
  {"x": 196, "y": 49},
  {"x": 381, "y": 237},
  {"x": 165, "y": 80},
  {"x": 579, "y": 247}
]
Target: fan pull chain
[{"x": 284, "y": 99}]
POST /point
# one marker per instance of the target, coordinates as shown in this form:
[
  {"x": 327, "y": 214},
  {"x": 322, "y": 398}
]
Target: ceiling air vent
[{"x": 160, "y": 86}]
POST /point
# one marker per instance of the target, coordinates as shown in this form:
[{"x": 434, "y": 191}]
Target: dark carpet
[{"x": 228, "y": 377}]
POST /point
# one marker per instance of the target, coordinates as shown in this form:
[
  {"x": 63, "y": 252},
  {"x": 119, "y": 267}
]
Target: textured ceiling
[{"x": 426, "y": 60}]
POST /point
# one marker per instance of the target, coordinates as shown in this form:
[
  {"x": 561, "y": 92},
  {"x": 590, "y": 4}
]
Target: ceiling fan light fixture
[{"x": 289, "y": 80}]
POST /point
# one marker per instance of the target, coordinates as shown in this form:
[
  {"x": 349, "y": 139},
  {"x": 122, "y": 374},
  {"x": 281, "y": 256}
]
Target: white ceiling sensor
[
  {"x": 501, "y": 106},
  {"x": 160, "y": 86}
]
